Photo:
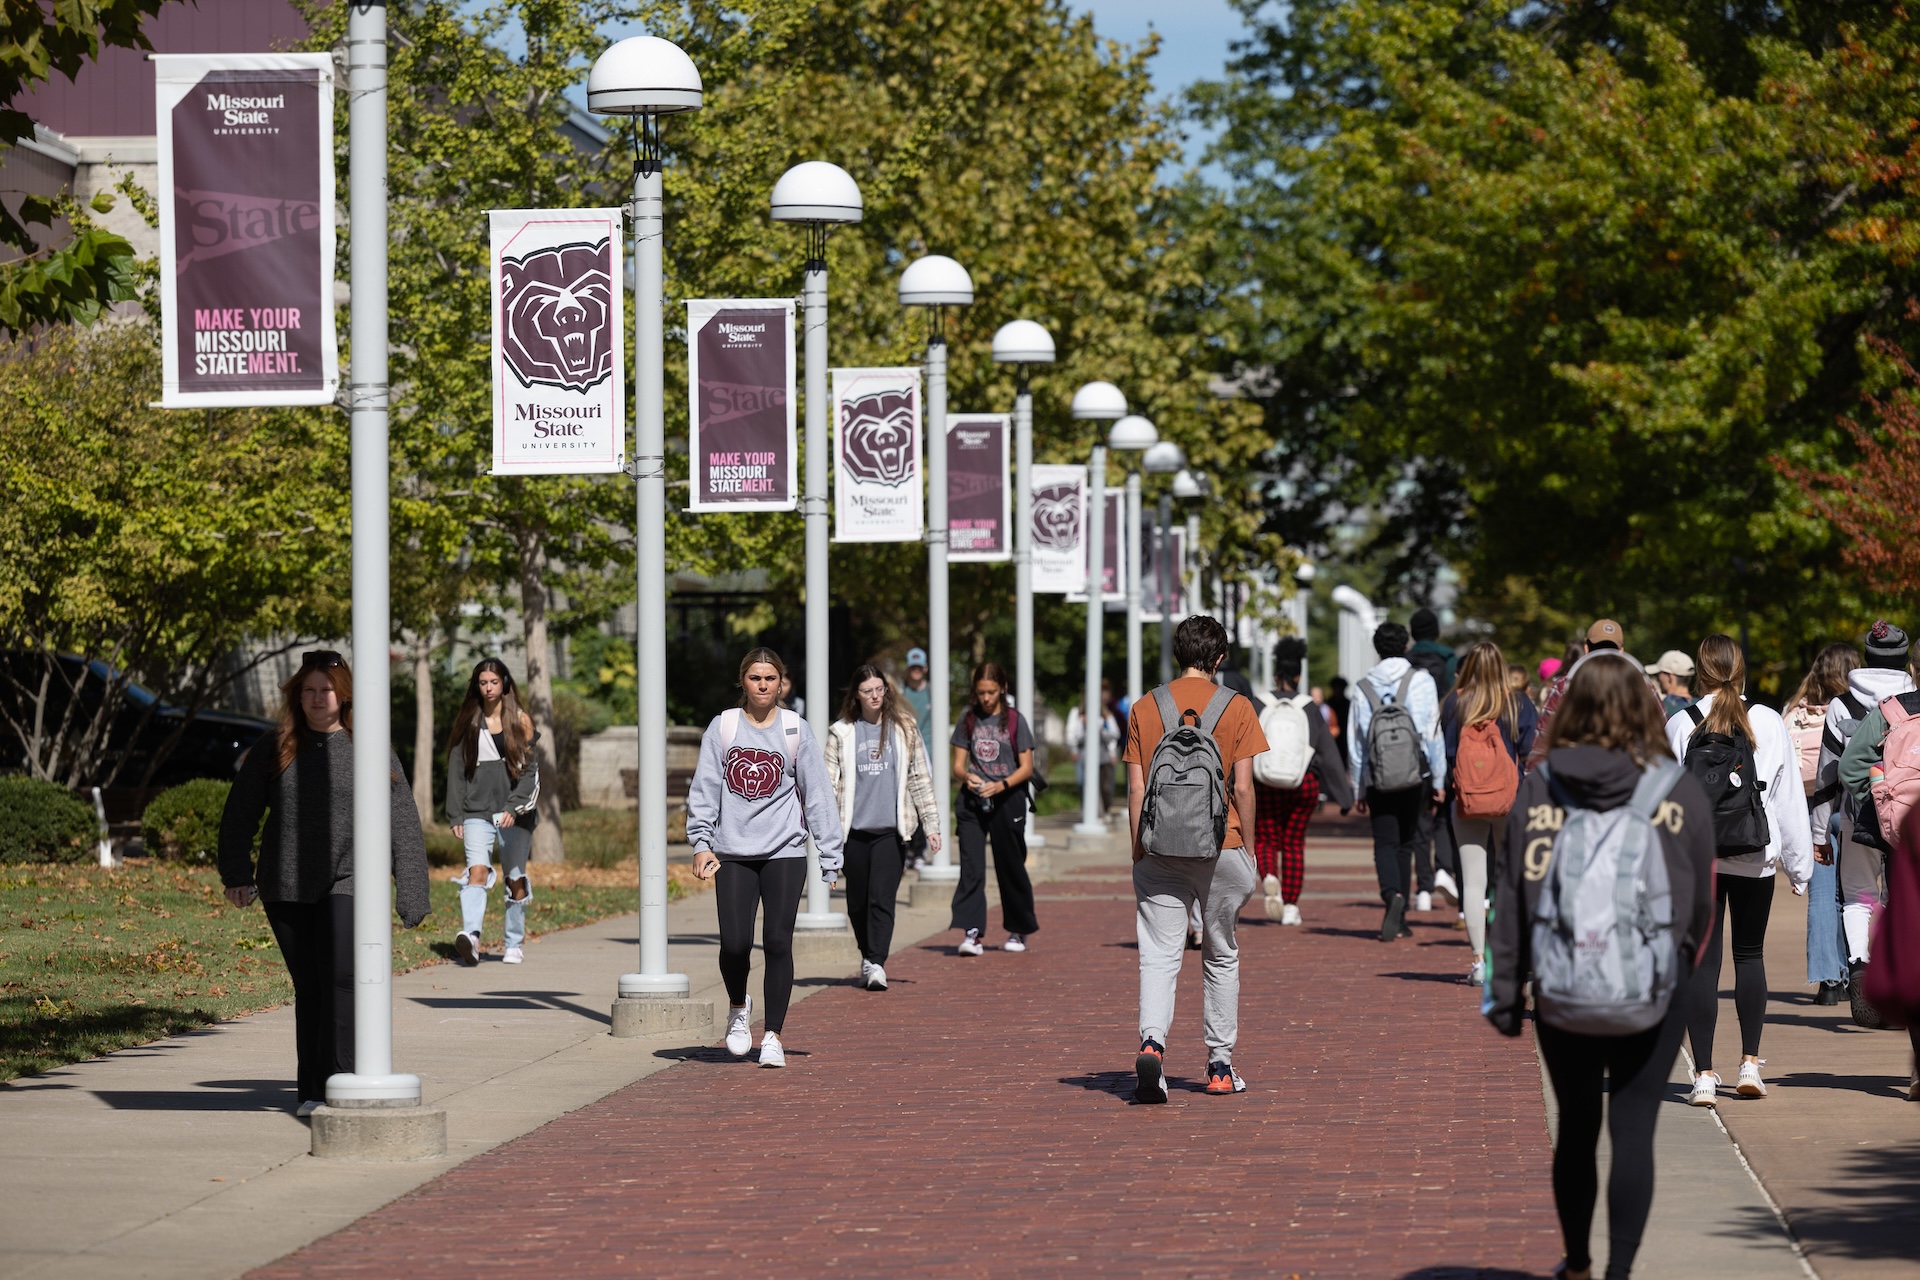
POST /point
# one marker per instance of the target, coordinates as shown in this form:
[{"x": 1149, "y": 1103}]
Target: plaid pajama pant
[{"x": 1280, "y": 832}]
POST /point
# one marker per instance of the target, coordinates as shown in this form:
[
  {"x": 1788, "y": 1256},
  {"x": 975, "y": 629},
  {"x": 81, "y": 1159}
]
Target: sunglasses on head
[{"x": 322, "y": 658}]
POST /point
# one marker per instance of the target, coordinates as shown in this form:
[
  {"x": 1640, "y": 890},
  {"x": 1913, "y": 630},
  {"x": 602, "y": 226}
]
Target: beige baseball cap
[
  {"x": 1673, "y": 663},
  {"x": 1606, "y": 630}
]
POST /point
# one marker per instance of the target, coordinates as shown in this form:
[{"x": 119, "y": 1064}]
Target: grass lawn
[{"x": 93, "y": 960}]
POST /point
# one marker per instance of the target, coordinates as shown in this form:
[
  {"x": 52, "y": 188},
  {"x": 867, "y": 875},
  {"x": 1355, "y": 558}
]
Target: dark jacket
[
  {"x": 1593, "y": 778},
  {"x": 1517, "y": 732},
  {"x": 306, "y": 851},
  {"x": 491, "y": 789},
  {"x": 1437, "y": 660},
  {"x": 1327, "y": 762}
]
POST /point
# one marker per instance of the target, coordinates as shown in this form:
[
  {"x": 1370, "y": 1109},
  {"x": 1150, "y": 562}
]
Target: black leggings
[
  {"x": 316, "y": 940},
  {"x": 1396, "y": 820},
  {"x": 874, "y": 864},
  {"x": 1004, "y": 820},
  {"x": 1630, "y": 1072},
  {"x": 739, "y": 889},
  {"x": 1750, "y": 901}
]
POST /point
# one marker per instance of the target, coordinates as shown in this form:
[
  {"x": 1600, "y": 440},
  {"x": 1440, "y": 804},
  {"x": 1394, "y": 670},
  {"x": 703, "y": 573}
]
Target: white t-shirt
[{"x": 1789, "y": 835}]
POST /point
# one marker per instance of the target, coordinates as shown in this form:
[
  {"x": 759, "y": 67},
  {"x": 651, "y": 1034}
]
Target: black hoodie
[{"x": 1593, "y": 778}]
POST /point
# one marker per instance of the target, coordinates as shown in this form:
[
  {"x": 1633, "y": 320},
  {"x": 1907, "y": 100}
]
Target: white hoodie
[
  {"x": 1789, "y": 839},
  {"x": 1870, "y": 687}
]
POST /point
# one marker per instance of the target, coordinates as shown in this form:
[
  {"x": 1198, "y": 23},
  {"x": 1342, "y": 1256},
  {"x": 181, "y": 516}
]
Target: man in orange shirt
[{"x": 1178, "y": 873}]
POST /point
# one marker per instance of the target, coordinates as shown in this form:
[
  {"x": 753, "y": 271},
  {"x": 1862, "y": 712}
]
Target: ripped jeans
[{"x": 515, "y": 842}]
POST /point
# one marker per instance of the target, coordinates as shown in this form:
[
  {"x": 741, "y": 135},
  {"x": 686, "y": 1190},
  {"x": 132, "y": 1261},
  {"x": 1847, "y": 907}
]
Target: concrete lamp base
[
  {"x": 652, "y": 1017},
  {"x": 824, "y": 945},
  {"x": 378, "y": 1132},
  {"x": 930, "y": 893}
]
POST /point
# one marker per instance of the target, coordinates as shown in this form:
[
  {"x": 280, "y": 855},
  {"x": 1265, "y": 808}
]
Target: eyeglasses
[{"x": 321, "y": 658}]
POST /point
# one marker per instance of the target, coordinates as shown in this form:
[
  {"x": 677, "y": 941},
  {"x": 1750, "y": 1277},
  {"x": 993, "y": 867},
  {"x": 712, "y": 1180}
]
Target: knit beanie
[
  {"x": 1425, "y": 624},
  {"x": 1887, "y": 646}
]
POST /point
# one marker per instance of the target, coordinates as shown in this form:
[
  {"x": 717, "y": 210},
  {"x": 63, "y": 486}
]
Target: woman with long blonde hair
[
  {"x": 1481, "y": 706},
  {"x": 1732, "y": 747},
  {"x": 301, "y": 781}
]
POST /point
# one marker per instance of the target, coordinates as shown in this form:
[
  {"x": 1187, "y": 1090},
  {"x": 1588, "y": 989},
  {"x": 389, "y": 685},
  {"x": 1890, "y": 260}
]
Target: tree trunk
[
  {"x": 538, "y": 688},
  {"x": 425, "y": 759}
]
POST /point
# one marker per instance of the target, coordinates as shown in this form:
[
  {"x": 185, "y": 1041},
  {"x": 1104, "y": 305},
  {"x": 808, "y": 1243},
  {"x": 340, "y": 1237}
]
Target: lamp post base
[
  {"x": 1089, "y": 828},
  {"x": 824, "y": 938},
  {"x": 653, "y": 1017},
  {"x": 654, "y": 986},
  {"x": 1036, "y": 838},
  {"x": 941, "y": 872},
  {"x": 383, "y": 1130}
]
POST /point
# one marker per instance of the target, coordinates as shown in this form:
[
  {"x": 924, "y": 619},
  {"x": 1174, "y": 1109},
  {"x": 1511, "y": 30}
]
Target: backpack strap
[
  {"x": 1169, "y": 714},
  {"x": 1693, "y": 713},
  {"x": 1216, "y": 707},
  {"x": 1654, "y": 785},
  {"x": 1855, "y": 708},
  {"x": 1367, "y": 691},
  {"x": 1895, "y": 711},
  {"x": 729, "y": 728},
  {"x": 790, "y": 733},
  {"x": 1406, "y": 683}
]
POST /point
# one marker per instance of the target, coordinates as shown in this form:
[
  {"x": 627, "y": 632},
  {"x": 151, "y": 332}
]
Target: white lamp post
[
  {"x": 1187, "y": 488},
  {"x": 1165, "y": 458},
  {"x": 1095, "y": 402},
  {"x": 936, "y": 282},
  {"x": 817, "y": 195},
  {"x": 1133, "y": 434},
  {"x": 1303, "y": 576},
  {"x": 647, "y": 77},
  {"x": 371, "y": 1112},
  {"x": 1022, "y": 344}
]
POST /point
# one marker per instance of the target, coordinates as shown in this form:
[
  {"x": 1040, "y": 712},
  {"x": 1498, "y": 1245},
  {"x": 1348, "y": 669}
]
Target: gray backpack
[
  {"x": 1604, "y": 960},
  {"x": 1396, "y": 757},
  {"x": 1184, "y": 814}
]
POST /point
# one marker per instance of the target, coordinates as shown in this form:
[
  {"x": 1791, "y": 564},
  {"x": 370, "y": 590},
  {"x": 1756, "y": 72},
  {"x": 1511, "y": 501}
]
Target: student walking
[
  {"x": 1746, "y": 763},
  {"x": 1299, "y": 751},
  {"x": 1813, "y": 718},
  {"x": 883, "y": 782},
  {"x": 759, "y": 791},
  {"x": 1488, "y": 732},
  {"x": 918, "y": 695},
  {"x": 1189, "y": 757},
  {"x": 1879, "y": 783},
  {"x": 493, "y": 785},
  {"x": 1609, "y": 798},
  {"x": 1604, "y": 636},
  {"x": 1399, "y": 766},
  {"x": 300, "y": 779},
  {"x": 993, "y": 755},
  {"x": 1103, "y": 758}
]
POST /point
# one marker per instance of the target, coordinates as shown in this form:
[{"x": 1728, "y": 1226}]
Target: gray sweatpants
[{"x": 1164, "y": 889}]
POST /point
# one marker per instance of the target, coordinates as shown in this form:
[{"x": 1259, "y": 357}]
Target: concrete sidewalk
[{"x": 181, "y": 1158}]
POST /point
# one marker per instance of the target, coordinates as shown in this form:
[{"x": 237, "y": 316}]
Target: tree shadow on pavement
[
  {"x": 1880, "y": 1217},
  {"x": 221, "y": 1095},
  {"x": 1877, "y": 1086}
]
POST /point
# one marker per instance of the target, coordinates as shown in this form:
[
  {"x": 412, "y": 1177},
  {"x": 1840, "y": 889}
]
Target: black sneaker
[
  {"x": 1150, "y": 1067},
  {"x": 1829, "y": 993},
  {"x": 1393, "y": 924},
  {"x": 1863, "y": 1013}
]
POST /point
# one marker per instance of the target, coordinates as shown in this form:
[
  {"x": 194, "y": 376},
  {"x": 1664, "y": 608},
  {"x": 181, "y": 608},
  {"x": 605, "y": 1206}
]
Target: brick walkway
[{"x": 976, "y": 1120}]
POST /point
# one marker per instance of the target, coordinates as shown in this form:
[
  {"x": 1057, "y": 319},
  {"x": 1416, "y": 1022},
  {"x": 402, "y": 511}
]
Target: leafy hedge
[
  {"x": 183, "y": 823},
  {"x": 45, "y": 823}
]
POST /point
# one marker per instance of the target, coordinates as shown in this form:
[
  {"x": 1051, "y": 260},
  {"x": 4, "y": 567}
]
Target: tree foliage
[
  {"x": 1546, "y": 287},
  {"x": 155, "y": 542}
]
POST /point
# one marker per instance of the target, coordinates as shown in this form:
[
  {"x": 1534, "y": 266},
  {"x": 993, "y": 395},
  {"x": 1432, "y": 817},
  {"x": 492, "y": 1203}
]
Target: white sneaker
[
  {"x": 1706, "y": 1090},
  {"x": 771, "y": 1054},
  {"x": 740, "y": 1029},
  {"x": 1289, "y": 914},
  {"x": 1271, "y": 886},
  {"x": 308, "y": 1107},
  {"x": 466, "y": 949},
  {"x": 875, "y": 977},
  {"x": 970, "y": 945},
  {"x": 1444, "y": 886},
  {"x": 1751, "y": 1085},
  {"x": 512, "y": 955},
  {"x": 1423, "y": 901},
  {"x": 866, "y": 972},
  {"x": 1014, "y": 942},
  {"x": 1477, "y": 976},
  {"x": 1274, "y": 905}
]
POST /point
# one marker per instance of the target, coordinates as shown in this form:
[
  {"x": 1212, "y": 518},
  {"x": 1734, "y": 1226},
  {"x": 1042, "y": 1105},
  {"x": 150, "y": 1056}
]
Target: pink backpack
[
  {"x": 1898, "y": 792},
  {"x": 1806, "y": 725}
]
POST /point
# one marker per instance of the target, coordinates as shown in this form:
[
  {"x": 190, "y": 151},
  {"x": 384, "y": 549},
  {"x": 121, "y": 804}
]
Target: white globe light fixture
[
  {"x": 1163, "y": 459},
  {"x": 937, "y": 282},
  {"x": 1185, "y": 486},
  {"x": 646, "y": 77},
  {"x": 816, "y": 195},
  {"x": 1099, "y": 402},
  {"x": 1133, "y": 434},
  {"x": 1023, "y": 344}
]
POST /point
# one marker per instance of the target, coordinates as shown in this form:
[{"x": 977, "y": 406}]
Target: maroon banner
[
  {"x": 741, "y": 436},
  {"x": 979, "y": 499},
  {"x": 247, "y": 235}
]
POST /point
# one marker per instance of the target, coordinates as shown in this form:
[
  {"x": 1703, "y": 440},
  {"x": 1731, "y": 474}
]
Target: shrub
[
  {"x": 183, "y": 823},
  {"x": 45, "y": 823}
]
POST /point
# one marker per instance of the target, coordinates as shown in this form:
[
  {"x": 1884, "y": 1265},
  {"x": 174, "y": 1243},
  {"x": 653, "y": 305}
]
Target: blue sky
[{"x": 1194, "y": 36}]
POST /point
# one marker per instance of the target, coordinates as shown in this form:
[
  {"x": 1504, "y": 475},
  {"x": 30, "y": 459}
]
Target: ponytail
[{"x": 1723, "y": 673}]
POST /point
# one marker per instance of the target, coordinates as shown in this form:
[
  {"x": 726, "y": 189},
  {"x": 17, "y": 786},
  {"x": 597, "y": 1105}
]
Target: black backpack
[{"x": 1724, "y": 765}]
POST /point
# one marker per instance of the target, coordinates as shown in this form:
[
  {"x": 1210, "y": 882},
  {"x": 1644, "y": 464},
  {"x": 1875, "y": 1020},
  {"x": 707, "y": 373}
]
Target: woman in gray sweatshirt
[
  {"x": 300, "y": 780},
  {"x": 493, "y": 784},
  {"x": 759, "y": 790}
]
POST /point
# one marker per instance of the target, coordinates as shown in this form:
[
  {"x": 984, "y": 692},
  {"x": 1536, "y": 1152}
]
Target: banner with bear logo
[
  {"x": 245, "y": 145},
  {"x": 741, "y": 435},
  {"x": 1113, "y": 560},
  {"x": 1059, "y": 526},
  {"x": 979, "y": 499},
  {"x": 877, "y": 495},
  {"x": 559, "y": 386}
]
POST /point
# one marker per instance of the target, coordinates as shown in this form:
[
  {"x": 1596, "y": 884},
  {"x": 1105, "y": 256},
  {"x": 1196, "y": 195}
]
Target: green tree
[
  {"x": 158, "y": 543},
  {"x": 76, "y": 279}
]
